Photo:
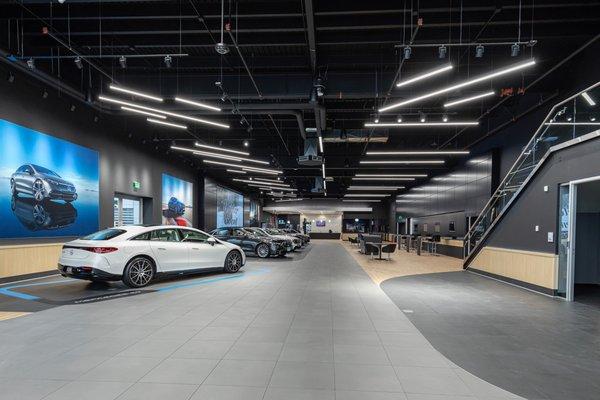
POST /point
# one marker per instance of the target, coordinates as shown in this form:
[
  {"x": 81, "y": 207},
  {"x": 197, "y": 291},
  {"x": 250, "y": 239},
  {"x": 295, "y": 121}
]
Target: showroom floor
[{"x": 317, "y": 328}]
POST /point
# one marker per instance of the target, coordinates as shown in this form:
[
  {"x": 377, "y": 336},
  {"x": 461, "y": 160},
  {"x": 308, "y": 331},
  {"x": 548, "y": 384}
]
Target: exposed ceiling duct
[{"x": 355, "y": 136}]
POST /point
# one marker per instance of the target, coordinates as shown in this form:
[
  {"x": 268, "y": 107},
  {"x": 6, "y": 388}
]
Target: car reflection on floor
[{"x": 35, "y": 215}]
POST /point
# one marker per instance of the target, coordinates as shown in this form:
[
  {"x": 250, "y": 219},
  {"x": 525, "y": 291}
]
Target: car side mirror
[{"x": 211, "y": 241}]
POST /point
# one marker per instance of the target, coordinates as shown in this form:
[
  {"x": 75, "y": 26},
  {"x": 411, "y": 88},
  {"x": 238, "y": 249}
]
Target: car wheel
[
  {"x": 39, "y": 192},
  {"x": 13, "y": 187},
  {"x": 233, "y": 262},
  {"x": 138, "y": 272},
  {"x": 262, "y": 250}
]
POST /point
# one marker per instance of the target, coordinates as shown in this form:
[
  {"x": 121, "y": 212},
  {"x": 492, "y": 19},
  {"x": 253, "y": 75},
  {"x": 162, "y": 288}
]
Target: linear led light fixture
[
  {"x": 360, "y": 200},
  {"x": 424, "y": 76},
  {"x": 588, "y": 98},
  {"x": 572, "y": 123},
  {"x": 172, "y": 125},
  {"x": 366, "y": 195},
  {"x": 217, "y": 155},
  {"x": 419, "y": 124},
  {"x": 284, "y": 200},
  {"x": 269, "y": 180},
  {"x": 261, "y": 172},
  {"x": 383, "y": 179},
  {"x": 467, "y": 99},
  {"x": 149, "y": 114},
  {"x": 392, "y": 175},
  {"x": 261, "y": 182},
  {"x": 323, "y": 169},
  {"x": 235, "y": 171},
  {"x": 243, "y": 167},
  {"x": 385, "y": 188},
  {"x": 134, "y": 93},
  {"x": 321, "y": 144},
  {"x": 404, "y": 162},
  {"x": 272, "y": 188},
  {"x": 419, "y": 153},
  {"x": 205, "y": 146},
  {"x": 197, "y": 104},
  {"x": 469, "y": 82},
  {"x": 172, "y": 114}
]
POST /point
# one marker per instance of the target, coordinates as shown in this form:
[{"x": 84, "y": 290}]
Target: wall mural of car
[{"x": 41, "y": 183}]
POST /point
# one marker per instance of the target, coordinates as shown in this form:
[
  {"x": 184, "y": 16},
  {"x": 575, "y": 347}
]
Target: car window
[
  {"x": 194, "y": 236},
  {"x": 239, "y": 232},
  {"x": 221, "y": 232},
  {"x": 27, "y": 169},
  {"x": 165, "y": 235},
  {"x": 105, "y": 234},
  {"x": 143, "y": 236}
]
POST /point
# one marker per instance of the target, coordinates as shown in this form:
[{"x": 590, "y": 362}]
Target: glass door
[
  {"x": 127, "y": 210},
  {"x": 564, "y": 213}
]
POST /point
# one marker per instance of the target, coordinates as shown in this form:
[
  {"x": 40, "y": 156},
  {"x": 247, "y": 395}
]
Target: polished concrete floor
[
  {"x": 316, "y": 328},
  {"x": 529, "y": 344}
]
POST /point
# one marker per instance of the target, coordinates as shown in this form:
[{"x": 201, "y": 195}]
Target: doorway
[
  {"x": 579, "y": 236},
  {"x": 128, "y": 210}
]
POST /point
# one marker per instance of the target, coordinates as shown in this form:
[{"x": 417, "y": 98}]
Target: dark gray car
[{"x": 41, "y": 183}]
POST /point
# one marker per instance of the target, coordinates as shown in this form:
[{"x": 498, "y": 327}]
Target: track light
[
  {"x": 407, "y": 52},
  {"x": 168, "y": 60},
  {"x": 399, "y": 119},
  {"x": 422, "y": 117},
  {"x": 31, "y": 63},
  {"x": 78, "y": 62},
  {"x": 479, "y": 50},
  {"x": 197, "y": 104},
  {"x": 442, "y": 51},
  {"x": 514, "y": 50},
  {"x": 445, "y": 118},
  {"x": 469, "y": 82},
  {"x": 376, "y": 118},
  {"x": 123, "y": 62},
  {"x": 172, "y": 125},
  {"x": 467, "y": 99},
  {"x": 424, "y": 76},
  {"x": 246, "y": 143}
]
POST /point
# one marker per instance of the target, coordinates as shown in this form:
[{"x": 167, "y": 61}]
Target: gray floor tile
[
  {"x": 431, "y": 381},
  {"x": 64, "y": 367},
  {"x": 122, "y": 369},
  {"x": 418, "y": 357},
  {"x": 17, "y": 389},
  {"x": 81, "y": 390},
  {"x": 310, "y": 336},
  {"x": 356, "y": 395},
  {"x": 212, "y": 392},
  {"x": 203, "y": 349},
  {"x": 356, "y": 337},
  {"x": 303, "y": 375},
  {"x": 152, "y": 348},
  {"x": 158, "y": 391},
  {"x": 254, "y": 351},
  {"x": 306, "y": 352},
  {"x": 420, "y": 396},
  {"x": 298, "y": 394},
  {"x": 219, "y": 333},
  {"x": 264, "y": 334},
  {"x": 359, "y": 354},
  {"x": 241, "y": 373},
  {"x": 181, "y": 370},
  {"x": 366, "y": 378}
]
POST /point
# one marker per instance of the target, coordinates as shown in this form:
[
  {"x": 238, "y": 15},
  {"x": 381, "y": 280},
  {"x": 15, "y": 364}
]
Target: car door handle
[
  {"x": 195, "y": 248},
  {"x": 161, "y": 248}
]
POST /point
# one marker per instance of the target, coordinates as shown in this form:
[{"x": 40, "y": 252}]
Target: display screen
[
  {"x": 230, "y": 208},
  {"x": 177, "y": 201},
  {"x": 320, "y": 223},
  {"x": 49, "y": 187}
]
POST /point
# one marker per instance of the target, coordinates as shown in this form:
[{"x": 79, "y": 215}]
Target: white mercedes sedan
[{"x": 137, "y": 254}]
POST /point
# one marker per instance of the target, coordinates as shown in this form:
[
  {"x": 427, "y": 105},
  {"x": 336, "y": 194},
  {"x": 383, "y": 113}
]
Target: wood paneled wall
[{"x": 28, "y": 259}]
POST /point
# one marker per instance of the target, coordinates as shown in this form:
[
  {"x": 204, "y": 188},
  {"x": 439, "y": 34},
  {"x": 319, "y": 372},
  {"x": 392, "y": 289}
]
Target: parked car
[
  {"x": 41, "y": 183},
  {"x": 289, "y": 243},
  {"x": 273, "y": 233},
  {"x": 263, "y": 247},
  {"x": 137, "y": 254},
  {"x": 288, "y": 231}
]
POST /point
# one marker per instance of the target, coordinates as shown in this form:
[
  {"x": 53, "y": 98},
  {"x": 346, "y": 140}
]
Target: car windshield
[
  {"x": 273, "y": 231},
  {"x": 45, "y": 171},
  {"x": 258, "y": 232},
  {"x": 106, "y": 234}
]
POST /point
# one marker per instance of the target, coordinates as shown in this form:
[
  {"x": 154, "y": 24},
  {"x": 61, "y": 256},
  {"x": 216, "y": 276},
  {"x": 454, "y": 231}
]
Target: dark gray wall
[
  {"x": 121, "y": 162},
  {"x": 450, "y": 197},
  {"x": 587, "y": 251},
  {"x": 535, "y": 207},
  {"x": 210, "y": 203}
]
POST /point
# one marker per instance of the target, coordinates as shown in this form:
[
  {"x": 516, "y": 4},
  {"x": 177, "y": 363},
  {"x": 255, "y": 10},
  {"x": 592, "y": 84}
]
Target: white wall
[{"x": 333, "y": 222}]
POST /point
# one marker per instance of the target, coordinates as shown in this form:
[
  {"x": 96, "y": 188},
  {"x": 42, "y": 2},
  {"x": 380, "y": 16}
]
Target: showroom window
[{"x": 127, "y": 210}]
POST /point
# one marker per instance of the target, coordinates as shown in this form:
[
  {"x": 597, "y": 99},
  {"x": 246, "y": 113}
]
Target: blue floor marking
[{"x": 8, "y": 290}]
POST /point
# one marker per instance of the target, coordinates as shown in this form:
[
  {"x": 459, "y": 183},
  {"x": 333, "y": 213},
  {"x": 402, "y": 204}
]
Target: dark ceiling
[{"x": 355, "y": 47}]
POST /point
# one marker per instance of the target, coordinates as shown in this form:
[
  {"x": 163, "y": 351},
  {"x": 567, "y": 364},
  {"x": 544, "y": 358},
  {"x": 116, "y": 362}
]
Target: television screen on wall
[
  {"x": 177, "y": 201},
  {"x": 49, "y": 187},
  {"x": 230, "y": 208},
  {"x": 320, "y": 223}
]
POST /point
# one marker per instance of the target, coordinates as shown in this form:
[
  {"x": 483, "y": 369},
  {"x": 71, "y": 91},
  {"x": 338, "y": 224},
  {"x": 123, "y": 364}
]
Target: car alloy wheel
[
  {"x": 13, "y": 187},
  {"x": 233, "y": 262},
  {"x": 140, "y": 272},
  {"x": 39, "y": 192},
  {"x": 39, "y": 214},
  {"x": 262, "y": 250}
]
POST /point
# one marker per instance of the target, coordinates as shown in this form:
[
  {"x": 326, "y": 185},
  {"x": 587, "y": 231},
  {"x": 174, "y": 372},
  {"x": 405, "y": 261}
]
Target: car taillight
[{"x": 100, "y": 250}]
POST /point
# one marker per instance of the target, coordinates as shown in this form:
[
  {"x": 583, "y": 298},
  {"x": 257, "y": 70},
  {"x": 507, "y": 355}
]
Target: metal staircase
[{"x": 573, "y": 118}]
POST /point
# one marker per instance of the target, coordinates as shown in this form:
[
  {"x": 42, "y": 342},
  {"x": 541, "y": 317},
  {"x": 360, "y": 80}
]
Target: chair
[
  {"x": 389, "y": 249},
  {"x": 353, "y": 240},
  {"x": 371, "y": 250}
]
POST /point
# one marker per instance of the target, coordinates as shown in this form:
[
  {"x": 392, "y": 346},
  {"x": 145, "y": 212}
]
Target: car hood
[{"x": 60, "y": 181}]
